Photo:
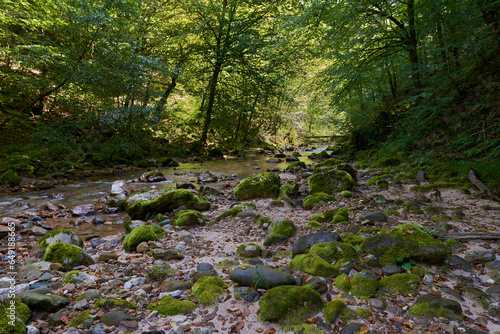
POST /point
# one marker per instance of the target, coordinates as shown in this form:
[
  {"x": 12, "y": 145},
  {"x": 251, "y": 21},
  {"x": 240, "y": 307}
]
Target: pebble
[
  {"x": 134, "y": 282},
  {"x": 32, "y": 330},
  {"x": 176, "y": 330},
  {"x": 175, "y": 293},
  {"x": 428, "y": 279}
]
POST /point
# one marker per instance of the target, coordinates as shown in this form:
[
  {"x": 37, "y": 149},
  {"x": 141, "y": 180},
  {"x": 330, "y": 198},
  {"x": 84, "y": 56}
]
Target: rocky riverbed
[{"x": 379, "y": 258}]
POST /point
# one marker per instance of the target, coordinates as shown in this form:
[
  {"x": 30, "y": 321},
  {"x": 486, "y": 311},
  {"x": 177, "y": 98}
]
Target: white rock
[
  {"x": 134, "y": 282},
  {"x": 175, "y": 293},
  {"x": 141, "y": 293},
  {"x": 178, "y": 318},
  {"x": 32, "y": 330}
]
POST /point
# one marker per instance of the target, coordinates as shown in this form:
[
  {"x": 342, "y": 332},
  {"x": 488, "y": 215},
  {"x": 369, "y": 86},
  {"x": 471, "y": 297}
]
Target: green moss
[
  {"x": 330, "y": 181},
  {"x": 16, "y": 324},
  {"x": 324, "y": 216},
  {"x": 453, "y": 244},
  {"x": 332, "y": 310},
  {"x": 296, "y": 165},
  {"x": 346, "y": 194},
  {"x": 400, "y": 283},
  {"x": 436, "y": 311},
  {"x": 276, "y": 203},
  {"x": 326, "y": 165},
  {"x": 432, "y": 210},
  {"x": 289, "y": 305},
  {"x": 208, "y": 288},
  {"x": 441, "y": 219},
  {"x": 342, "y": 282},
  {"x": 242, "y": 248},
  {"x": 304, "y": 329},
  {"x": 188, "y": 218},
  {"x": 341, "y": 215},
  {"x": 230, "y": 213},
  {"x": 160, "y": 272},
  {"x": 316, "y": 198},
  {"x": 354, "y": 240},
  {"x": 335, "y": 251},
  {"x": 68, "y": 277},
  {"x": 111, "y": 302},
  {"x": 418, "y": 271},
  {"x": 364, "y": 313},
  {"x": 141, "y": 234},
  {"x": 284, "y": 254},
  {"x": 313, "y": 224},
  {"x": 226, "y": 264},
  {"x": 66, "y": 254},
  {"x": 170, "y": 306},
  {"x": 313, "y": 264},
  {"x": 10, "y": 178},
  {"x": 391, "y": 213},
  {"x": 284, "y": 227},
  {"x": 79, "y": 319},
  {"x": 42, "y": 242},
  {"x": 258, "y": 186},
  {"x": 363, "y": 287},
  {"x": 106, "y": 256}
]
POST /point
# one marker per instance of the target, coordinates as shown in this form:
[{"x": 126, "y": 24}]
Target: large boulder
[
  {"x": 59, "y": 235},
  {"x": 330, "y": 181},
  {"x": 152, "y": 176},
  {"x": 68, "y": 255},
  {"x": 314, "y": 265},
  {"x": 143, "y": 204},
  {"x": 188, "y": 218},
  {"x": 405, "y": 242},
  {"x": 280, "y": 231},
  {"x": 290, "y": 305},
  {"x": 10, "y": 178},
  {"x": 141, "y": 234},
  {"x": 119, "y": 190},
  {"x": 261, "y": 277},
  {"x": 303, "y": 243},
  {"x": 258, "y": 186},
  {"x": 14, "y": 315},
  {"x": 47, "y": 303},
  {"x": 313, "y": 199}
]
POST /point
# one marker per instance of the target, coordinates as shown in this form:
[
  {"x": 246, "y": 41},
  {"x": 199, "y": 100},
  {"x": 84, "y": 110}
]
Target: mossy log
[{"x": 471, "y": 236}]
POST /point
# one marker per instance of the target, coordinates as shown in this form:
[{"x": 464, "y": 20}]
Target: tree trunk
[
  {"x": 413, "y": 45},
  {"x": 211, "y": 98}
]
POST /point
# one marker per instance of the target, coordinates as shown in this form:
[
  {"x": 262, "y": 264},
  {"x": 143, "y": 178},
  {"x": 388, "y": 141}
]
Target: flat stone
[
  {"x": 377, "y": 303},
  {"x": 246, "y": 293},
  {"x": 203, "y": 266},
  {"x": 373, "y": 216},
  {"x": 174, "y": 285},
  {"x": 50, "y": 303},
  {"x": 91, "y": 294},
  {"x": 457, "y": 262},
  {"x": 143, "y": 247},
  {"x": 138, "y": 281},
  {"x": 303, "y": 243},
  {"x": 99, "y": 329},
  {"x": 113, "y": 318},
  {"x": 261, "y": 277},
  {"x": 435, "y": 302},
  {"x": 351, "y": 328},
  {"x": 317, "y": 284},
  {"x": 480, "y": 256},
  {"x": 392, "y": 269},
  {"x": 167, "y": 254},
  {"x": 83, "y": 210}
]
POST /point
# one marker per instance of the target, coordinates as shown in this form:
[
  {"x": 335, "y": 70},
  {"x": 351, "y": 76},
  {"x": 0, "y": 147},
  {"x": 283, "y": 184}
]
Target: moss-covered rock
[
  {"x": 430, "y": 307},
  {"x": 160, "y": 272},
  {"x": 68, "y": 255},
  {"x": 289, "y": 305},
  {"x": 129, "y": 225},
  {"x": 400, "y": 283},
  {"x": 354, "y": 240},
  {"x": 405, "y": 242},
  {"x": 295, "y": 165},
  {"x": 332, "y": 310},
  {"x": 10, "y": 178},
  {"x": 289, "y": 190},
  {"x": 330, "y": 181},
  {"x": 59, "y": 235},
  {"x": 342, "y": 282},
  {"x": 260, "y": 277},
  {"x": 235, "y": 210},
  {"x": 326, "y": 164},
  {"x": 313, "y": 199},
  {"x": 79, "y": 319},
  {"x": 276, "y": 203},
  {"x": 170, "y": 306},
  {"x": 258, "y": 186},
  {"x": 335, "y": 252},
  {"x": 143, "y": 204},
  {"x": 324, "y": 216},
  {"x": 188, "y": 218},
  {"x": 364, "y": 284},
  {"x": 208, "y": 288},
  {"x": 249, "y": 250},
  {"x": 106, "y": 256},
  {"x": 314, "y": 265},
  {"x": 141, "y": 234},
  {"x": 341, "y": 216},
  {"x": 226, "y": 264},
  {"x": 14, "y": 316},
  {"x": 112, "y": 302},
  {"x": 280, "y": 231}
]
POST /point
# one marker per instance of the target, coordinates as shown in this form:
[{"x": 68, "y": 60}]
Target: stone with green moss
[
  {"x": 129, "y": 225},
  {"x": 342, "y": 282},
  {"x": 160, "y": 272},
  {"x": 208, "y": 289},
  {"x": 289, "y": 305},
  {"x": 72, "y": 276},
  {"x": 330, "y": 182},
  {"x": 407, "y": 241},
  {"x": 262, "y": 221},
  {"x": 226, "y": 264},
  {"x": 106, "y": 256},
  {"x": 354, "y": 240},
  {"x": 411, "y": 206},
  {"x": 79, "y": 319},
  {"x": 341, "y": 216},
  {"x": 453, "y": 244},
  {"x": 313, "y": 224},
  {"x": 68, "y": 255},
  {"x": 143, "y": 204},
  {"x": 289, "y": 190},
  {"x": 314, "y": 265},
  {"x": 258, "y": 186},
  {"x": 326, "y": 164},
  {"x": 276, "y": 203},
  {"x": 14, "y": 316},
  {"x": 280, "y": 231},
  {"x": 295, "y": 165},
  {"x": 324, "y": 217},
  {"x": 304, "y": 328},
  {"x": 169, "y": 306},
  {"x": 477, "y": 295},
  {"x": 332, "y": 310},
  {"x": 188, "y": 218},
  {"x": 10, "y": 178},
  {"x": 364, "y": 284},
  {"x": 141, "y": 234},
  {"x": 400, "y": 283},
  {"x": 335, "y": 251},
  {"x": 418, "y": 271},
  {"x": 112, "y": 302},
  {"x": 249, "y": 250},
  {"x": 429, "y": 306},
  {"x": 60, "y": 235},
  {"x": 313, "y": 199}
]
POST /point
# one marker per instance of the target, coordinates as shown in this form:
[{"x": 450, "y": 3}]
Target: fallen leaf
[
  {"x": 246, "y": 312},
  {"x": 65, "y": 319},
  {"x": 270, "y": 331},
  {"x": 363, "y": 330},
  {"x": 232, "y": 309}
]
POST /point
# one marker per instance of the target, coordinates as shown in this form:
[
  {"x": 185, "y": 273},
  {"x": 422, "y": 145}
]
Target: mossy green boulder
[
  {"x": 258, "y": 186},
  {"x": 400, "y": 283},
  {"x": 169, "y": 306},
  {"x": 429, "y": 306},
  {"x": 79, "y": 319},
  {"x": 68, "y": 255},
  {"x": 10, "y": 178},
  {"x": 60, "y": 235},
  {"x": 341, "y": 216},
  {"x": 14, "y": 315},
  {"x": 235, "y": 210},
  {"x": 335, "y": 252},
  {"x": 141, "y": 234},
  {"x": 314, "y": 265},
  {"x": 188, "y": 218},
  {"x": 313, "y": 199},
  {"x": 405, "y": 242},
  {"x": 332, "y": 310},
  {"x": 261, "y": 277},
  {"x": 149, "y": 202},
  {"x": 249, "y": 250},
  {"x": 290, "y": 305},
  {"x": 326, "y": 164},
  {"x": 289, "y": 190},
  {"x": 295, "y": 165},
  {"x": 280, "y": 231},
  {"x": 330, "y": 181},
  {"x": 161, "y": 272},
  {"x": 112, "y": 302},
  {"x": 364, "y": 284},
  {"x": 208, "y": 288}
]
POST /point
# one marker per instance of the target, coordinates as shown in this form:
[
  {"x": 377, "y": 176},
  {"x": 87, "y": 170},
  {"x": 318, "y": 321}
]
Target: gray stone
[
  {"x": 98, "y": 220},
  {"x": 203, "y": 330},
  {"x": 175, "y": 293},
  {"x": 173, "y": 285},
  {"x": 38, "y": 231},
  {"x": 113, "y": 318},
  {"x": 91, "y": 294},
  {"x": 99, "y": 329},
  {"x": 458, "y": 262},
  {"x": 245, "y": 214},
  {"x": 200, "y": 274},
  {"x": 452, "y": 293},
  {"x": 351, "y": 328},
  {"x": 421, "y": 177},
  {"x": 392, "y": 269},
  {"x": 428, "y": 279},
  {"x": 72, "y": 330},
  {"x": 138, "y": 281},
  {"x": 203, "y": 266},
  {"x": 318, "y": 284},
  {"x": 82, "y": 278},
  {"x": 246, "y": 293},
  {"x": 373, "y": 216},
  {"x": 303, "y": 243},
  {"x": 261, "y": 277},
  {"x": 176, "y": 330},
  {"x": 436, "y": 302},
  {"x": 50, "y": 303},
  {"x": 346, "y": 267},
  {"x": 167, "y": 254},
  {"x": 480, "y": 256},
  {"x": 119, "y": 189},
  {"x": 32, "y": 330},
  {"x": 377, "y": 303},
  {"x": 81, "y": 304},
  {"x": 83, "y": 210}
]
